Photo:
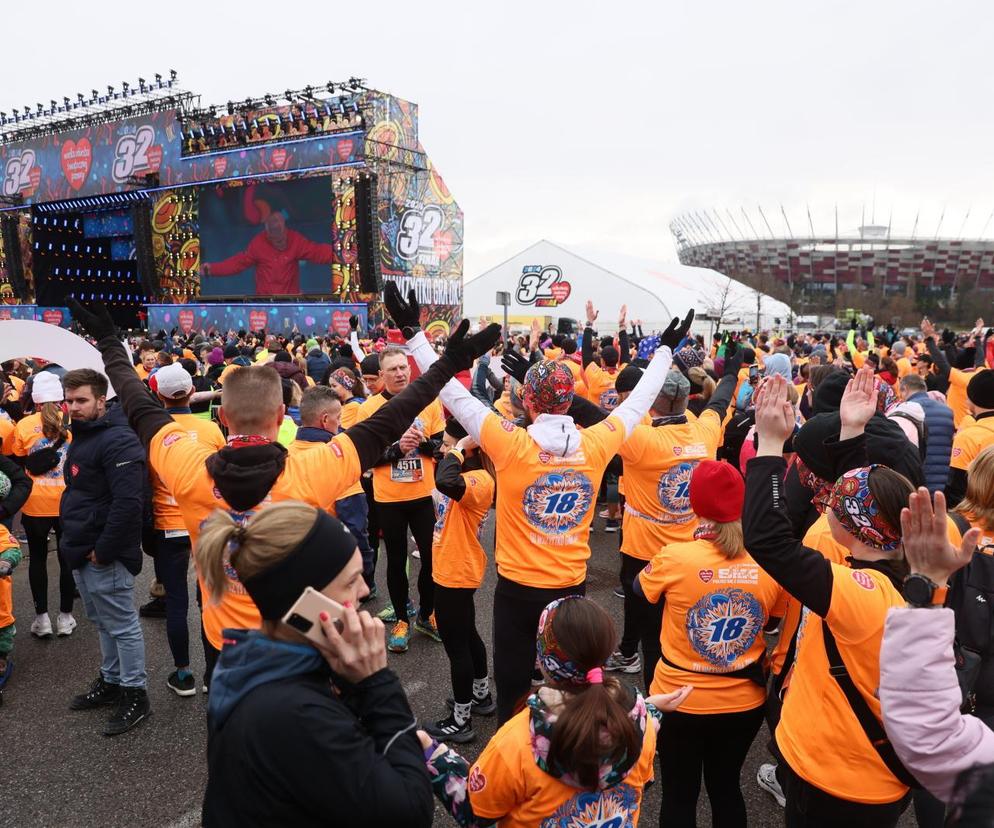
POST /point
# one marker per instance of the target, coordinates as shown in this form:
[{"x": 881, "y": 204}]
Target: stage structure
[{"x": 141, "y": 196}]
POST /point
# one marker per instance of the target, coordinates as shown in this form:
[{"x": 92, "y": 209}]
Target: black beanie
[
  {"x": 828, "y": 395},
  {"x": 980, "y": 390},
  {"x": 282, "y": 356},
  {"x": 230, "y": 351},
  {"x": 370, "y": 364},
  {"x": 627, "y": 379}
]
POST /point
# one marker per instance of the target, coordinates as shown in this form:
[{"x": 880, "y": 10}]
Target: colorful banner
[
  {"x": 54, "y": 316},
  {"x": 316, "y": 319}
]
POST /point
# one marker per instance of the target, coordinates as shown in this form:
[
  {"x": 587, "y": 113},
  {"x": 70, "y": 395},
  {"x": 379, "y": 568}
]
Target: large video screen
[{"x": 266, "y": 239}]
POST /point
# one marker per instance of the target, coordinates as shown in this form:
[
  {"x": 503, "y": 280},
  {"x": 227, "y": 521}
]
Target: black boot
[
  {"x": 100, "y": 694},
  {"x": 132, "y": 709},
  {"x": 156, "y": 608}
]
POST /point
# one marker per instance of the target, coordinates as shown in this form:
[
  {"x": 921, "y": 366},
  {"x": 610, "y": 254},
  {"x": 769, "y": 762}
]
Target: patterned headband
[
  {"x": 341, "y": 376},
  {"x": 555, "y": 662},
  {"x": 855, "y": 507},
  {"x": 690, "y": 357},
  {"x": 647, "y": 347},
  {"x": 548, "y": 388}
]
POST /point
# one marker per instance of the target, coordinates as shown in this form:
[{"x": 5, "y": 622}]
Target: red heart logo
[
  {"x": 52, "y": 316},
  {"x": 6, "y": 314},
  {"x": 340, "y": 323},
  {"x": 154, "y": 157},
  {"x": 257, "y": 320},
  {"x": 279, "y": 157},
  {"x": 77, "y": 156},
  {"x": 220, "y": 165},
  {"x": 344, "y": 149},
  {"x": 560, "y": 291},
  {"x": 706, "y": 575},
  {"x": 35, "y": 177},
  {"x": 185, "y": 318}
]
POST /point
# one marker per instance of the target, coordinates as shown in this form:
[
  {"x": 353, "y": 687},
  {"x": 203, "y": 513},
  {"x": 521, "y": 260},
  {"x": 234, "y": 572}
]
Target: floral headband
[
  {"x": 855, "y": 507},
  {"x": 554, "y": 660}
]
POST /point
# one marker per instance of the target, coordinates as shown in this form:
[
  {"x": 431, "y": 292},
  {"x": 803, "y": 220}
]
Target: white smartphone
[{"x": 305, "y": 615}]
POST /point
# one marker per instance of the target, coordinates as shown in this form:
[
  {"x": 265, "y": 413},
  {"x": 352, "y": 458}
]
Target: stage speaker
[
  {"x": 368, "y": 231},
  {"x": 141, "y": 218},
  {"x": 12, "y": 254}
]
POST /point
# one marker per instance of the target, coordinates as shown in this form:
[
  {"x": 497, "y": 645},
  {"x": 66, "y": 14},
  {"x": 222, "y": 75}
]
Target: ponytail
[{"x": 53, "y": 421}]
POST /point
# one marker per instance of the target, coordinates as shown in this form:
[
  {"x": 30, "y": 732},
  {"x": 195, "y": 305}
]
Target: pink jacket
[{"x": 920, "y": 698}]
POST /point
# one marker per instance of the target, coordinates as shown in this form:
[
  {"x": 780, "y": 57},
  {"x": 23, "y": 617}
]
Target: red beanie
[{"x": 717, "y": 492}]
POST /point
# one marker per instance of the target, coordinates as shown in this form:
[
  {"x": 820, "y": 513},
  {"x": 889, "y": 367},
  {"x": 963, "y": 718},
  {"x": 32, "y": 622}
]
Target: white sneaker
[
  {"x": 65, "y": 624},
  {"x": 766, "y": 776},
  {"x": 41, "y": 627}
]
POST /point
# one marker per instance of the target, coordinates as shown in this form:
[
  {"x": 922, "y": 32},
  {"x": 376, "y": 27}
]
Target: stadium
[{"x": 891, "y": 273}]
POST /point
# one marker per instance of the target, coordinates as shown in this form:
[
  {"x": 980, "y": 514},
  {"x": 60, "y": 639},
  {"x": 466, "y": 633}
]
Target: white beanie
[{"x": 46, "y": 387}]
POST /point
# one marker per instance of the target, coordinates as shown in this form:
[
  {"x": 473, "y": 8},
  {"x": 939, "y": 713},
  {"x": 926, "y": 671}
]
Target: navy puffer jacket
[{"x": 939, "y": 443}]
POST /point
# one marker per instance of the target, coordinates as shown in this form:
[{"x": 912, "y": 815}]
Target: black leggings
[
  {"x": 36, "y": 530},
  {"x": 715, "y": 744},
  {"x": 394, "y": 519},
  {"x": 517, "y": 609},
  {"x": 455, "y": 614},
  {"x": 372, "y": 519},
  {"x": 811, "y": 807},
  {"x": 643, "y": 620}
]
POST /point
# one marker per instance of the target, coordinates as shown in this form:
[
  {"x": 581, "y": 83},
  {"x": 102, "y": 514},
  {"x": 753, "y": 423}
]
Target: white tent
[{"x": 547, "y": 280}]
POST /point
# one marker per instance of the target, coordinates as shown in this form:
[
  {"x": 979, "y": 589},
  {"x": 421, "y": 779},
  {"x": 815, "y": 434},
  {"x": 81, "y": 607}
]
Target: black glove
[
  {"x": 677, "y": 330},
  {"x": 515, "y": 365},
  {"x": 354, "y": 322},
  {"x": 733, "y": 360},
  {"x": 463, "y": 351},
  {"x": 97, "y": 323},
  {"x": 406, "y": 315}
]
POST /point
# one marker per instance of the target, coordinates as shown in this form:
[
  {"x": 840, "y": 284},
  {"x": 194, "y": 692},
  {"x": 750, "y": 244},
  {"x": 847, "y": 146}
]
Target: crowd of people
[{"x": 805, "y": 527}]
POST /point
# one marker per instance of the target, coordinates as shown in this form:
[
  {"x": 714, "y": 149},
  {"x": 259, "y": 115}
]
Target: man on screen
[{"x": 275, "y": 253}]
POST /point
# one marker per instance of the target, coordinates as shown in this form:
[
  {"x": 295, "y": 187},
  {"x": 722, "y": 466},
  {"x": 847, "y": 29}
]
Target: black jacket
[
  {"x": 105, "y": 483},
  {"x": 287, "y": 746}
]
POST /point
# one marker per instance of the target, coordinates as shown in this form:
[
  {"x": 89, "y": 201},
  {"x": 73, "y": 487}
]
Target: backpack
[{"x": 735, "y": 434}]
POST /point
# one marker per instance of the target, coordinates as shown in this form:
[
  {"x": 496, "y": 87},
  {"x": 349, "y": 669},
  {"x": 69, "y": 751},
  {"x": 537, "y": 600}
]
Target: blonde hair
[
  {"x": 978, "y": 504},
  {"x": 728, "y": 538},
  {"x": 252, "y": 546},
  {"x": 53, "y": 421},
  {"x": 251, "y": 398}
]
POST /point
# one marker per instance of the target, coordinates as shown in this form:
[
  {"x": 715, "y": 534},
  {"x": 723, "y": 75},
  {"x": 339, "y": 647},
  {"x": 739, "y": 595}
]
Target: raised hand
[
  {"x": 928, "y": 328},
  {"x": 354, "y": 322},
  {"x": 404, "y": 314},
  {"x": 926, "y": 542},
  {"x": 775, "y": 417},
  {"x": 464, "y": 350},
  {"x": 622, "y": 317},
  {"x": 676, "y": 331},
  {"x": 733, "y": 359},
  {"x": 859, "y": 403},
  {"x": 97, "y": 323},
  {"x": 515, "y": 364},
  {"x": 591, "y": 313}
]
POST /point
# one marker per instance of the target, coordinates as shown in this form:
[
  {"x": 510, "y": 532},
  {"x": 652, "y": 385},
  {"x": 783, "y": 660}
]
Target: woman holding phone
[{"x": 301, "y": 732}]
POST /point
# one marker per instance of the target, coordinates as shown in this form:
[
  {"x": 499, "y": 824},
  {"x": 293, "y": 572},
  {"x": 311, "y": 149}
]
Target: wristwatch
[{"x": 921, "y": 591}]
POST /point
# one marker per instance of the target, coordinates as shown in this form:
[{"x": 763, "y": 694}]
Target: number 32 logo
[
  {"x": 17, "y": 175},
  {"x": 131, "y": 155},
  {"x": 543, "y": 287}
]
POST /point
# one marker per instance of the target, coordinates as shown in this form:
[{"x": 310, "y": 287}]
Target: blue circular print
[
  {"x": 673, "y": 492},
  {"x": 723, "y": 625},
  {"x": 557, "y": 502}
]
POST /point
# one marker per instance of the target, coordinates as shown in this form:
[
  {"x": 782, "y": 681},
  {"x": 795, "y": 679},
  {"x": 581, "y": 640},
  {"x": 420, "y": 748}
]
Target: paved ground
[{"x": 59, "y": 770}]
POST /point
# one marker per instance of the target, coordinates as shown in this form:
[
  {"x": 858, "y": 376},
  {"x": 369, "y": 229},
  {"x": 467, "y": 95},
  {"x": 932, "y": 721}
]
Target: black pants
[
  {"x": 773, "y": 710},
  {"x": 211, "y": 654},
  {"x": 811, "y": 807},
  {"x": 713, "y": 744},
  {"x": 172, "y": 562},
  {"x": 517, "y": 609},
  {"x": 372, "y": 519},
  {"x": 394, "y": 519},
  {"x": 455, "y": 614},
  {"x": 36, "y": 530},
  {"x": 643, "y": 620}
]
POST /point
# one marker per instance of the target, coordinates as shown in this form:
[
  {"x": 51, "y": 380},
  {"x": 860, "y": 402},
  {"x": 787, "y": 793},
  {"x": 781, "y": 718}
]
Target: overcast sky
[{"x": 598, "y": 122}]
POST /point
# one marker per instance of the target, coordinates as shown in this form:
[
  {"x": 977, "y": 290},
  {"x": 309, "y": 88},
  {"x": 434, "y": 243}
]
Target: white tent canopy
[{"x": 548, "y": 280}]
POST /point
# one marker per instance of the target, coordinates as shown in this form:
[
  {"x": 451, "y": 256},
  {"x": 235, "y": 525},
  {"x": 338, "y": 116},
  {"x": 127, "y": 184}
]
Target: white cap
[
  {"x": 46, "y": 387},
  {"x": 171, "y": 381}
]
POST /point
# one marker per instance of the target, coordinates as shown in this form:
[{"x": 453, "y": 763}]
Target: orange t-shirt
[
  {"x": 7, "y": 427},
  {"x": 956, "y": 394},
  {"x": 506, "y": 785},
  {"x": 168, "y": 516},
  {"x": 413, "y": 476},
  {"x": 600, "y": 386},
  {"x": 970, "y": 441},
  {"x": 142, "y": 373},
  {"x": 458, "y": 559},
  {"x": 544, "y": 502},
  {"x": 47, "y": 489},
  {"x": 713, "y": 621},
  {"x": 579, "y": 384},
  {"x": 350, "y": 416},
  {"x": 658, "y": 464},
  {"x": 6, "y": 589},
  {"x": 819, "y": 734},
  {"x": 314, "y": 477}
]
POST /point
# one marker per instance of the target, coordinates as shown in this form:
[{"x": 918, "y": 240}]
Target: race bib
[{"x": 407, "y": 470}]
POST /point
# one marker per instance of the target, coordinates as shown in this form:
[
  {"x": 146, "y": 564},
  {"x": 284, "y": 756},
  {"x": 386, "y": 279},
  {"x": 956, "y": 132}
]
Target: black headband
[{"x": 314, "y": 562}]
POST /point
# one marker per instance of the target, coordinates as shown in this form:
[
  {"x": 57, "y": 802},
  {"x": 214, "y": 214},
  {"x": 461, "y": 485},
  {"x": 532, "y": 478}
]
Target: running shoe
[
  {"x": 65, "y": 624},
  {"x": 603, "y": 513},
  {"x": 618, "y": 663},
  {"x": 449, "y": 730},
  {"x": 41, "y": 627},
  {"x": 7, "y": 669},
  {"x": 390, "y": 616},
  {"x": 426, "y": 626},
  {"x": 400, "y": 637},
  {"x": 481, "y": 707},
  {"x": 156, "y": 608},
  {"x": 619, "y": 592},
  {"x": 185, "y": 686},
  {"x": 612, "y": 525},
  {"x": 766, "y": 776}
]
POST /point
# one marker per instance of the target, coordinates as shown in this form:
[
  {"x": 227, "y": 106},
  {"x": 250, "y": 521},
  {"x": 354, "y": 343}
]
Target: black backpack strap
[
  {"x": 788, "y": 660},
  {"x": 961, "y": 522},
  {"x": 871, "y": 725}
]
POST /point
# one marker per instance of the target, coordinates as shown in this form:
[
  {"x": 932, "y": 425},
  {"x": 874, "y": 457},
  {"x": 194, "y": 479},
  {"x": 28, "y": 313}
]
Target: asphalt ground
[{"x": 58, "y": 770}]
